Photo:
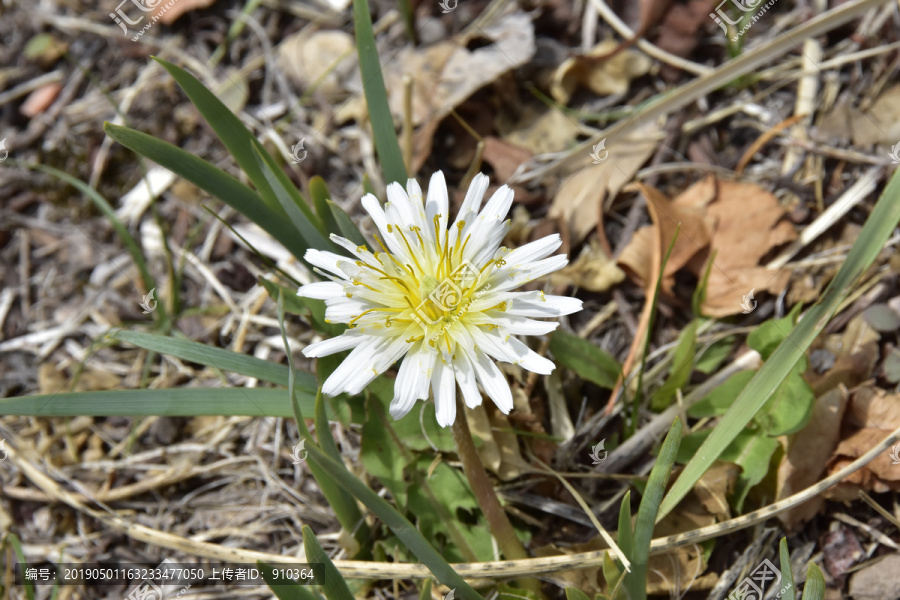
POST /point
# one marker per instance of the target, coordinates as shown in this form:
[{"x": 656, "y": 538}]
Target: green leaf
[
  {"x": 327, "y": 574},
  {"x": 589, "y": 362},
  {"x": 814, "y": 589},
  {"x": 719, "y": 400},
  {"x": 878, "y": 228},
  {"x": 287, "y": 196},
  {"x": 682, "y": 365},
  {"x": 283, "y": 590},
  {"x": 445, "y": 509},
  {"x": 236, "y": 137},
  {"x": 214, "y": 180},
  {"x": 346, "y": 227},
  {"x": 625, "y": 531},
  {"x": 575, "y": 594},
  {"x": 787, "y": 576},
  {"x": 714, "y": 355},
  {"x": 765, "y": 338},
  {"x": 222, "y": 359},
  {"x": 636, "y": 581},
  {"x": 175, "y": 402},
  {"x": 790, "y": 407},
  {"x": 425, "y": 592},
  {"x": 750, "y": 450},
  {"x": 386, "y": 144},
  {"x": 318, "y": 191},
  {"x": 380, "y": 454}
]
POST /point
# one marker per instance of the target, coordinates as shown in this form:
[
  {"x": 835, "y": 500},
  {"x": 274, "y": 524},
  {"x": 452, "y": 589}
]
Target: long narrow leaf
[
  {"x": 327, "y": 574},
  {"x": 636, "y": 581},
  {"x": 177, "y": 402},
  {"x": 236, "y": 137},
  {"x": 303, "y": 220},
  {"x": 871, "y": 239},
  {"x": 345, "y": 226},
  {"x": 386, "y": 144},
  {"x": 814, "y": 589},
  {"x": 212, "y": 179},
  {"x": 226, "y": 360},
  {"x": 318, "y": 191},
  {"x": 283, "y": 590}
]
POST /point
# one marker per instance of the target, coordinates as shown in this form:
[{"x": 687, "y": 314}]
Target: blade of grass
[
  {"x": 327, "y": 574},
  {"x": 787, "y": 576},
  {"x": 283, "y": 590},
  {"x": 236, "y": 137},
  {"x": 306, "y": 224},
  {"x": 814, "y": 589},
  {"x": 226, "y": 360},
  {"x": 345, "y": 508},
  {"x": 318, "y": 191},
  {"x": 346, "y": 227},
  {"x": 176, "y": 402},
  {"x": 13, "y": 540},
  {"x": 636, "y": 581},
  {"x": 212, "y": 179},
  {"x": 386, "y": 144},
  {"x": 875, "y": 232}
]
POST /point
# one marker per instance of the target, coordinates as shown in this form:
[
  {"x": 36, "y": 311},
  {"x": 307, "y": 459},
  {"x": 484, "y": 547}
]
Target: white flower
[{"x": 441, "y": 297}]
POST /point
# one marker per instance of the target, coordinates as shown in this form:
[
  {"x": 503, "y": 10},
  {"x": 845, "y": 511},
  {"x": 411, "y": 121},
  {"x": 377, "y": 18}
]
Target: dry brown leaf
[
  {"x": 603, "y": 77},
  {"x": 52, "y": 381},
  {"x": 678, "y": 33},
  {"x": 807, "y": 455},
  {"x": 169, "y": 14},
  {"x": 879, "y": 124},
  {"x": 668, "y": 217},
  {"x": 447, "y": 73},
  {"x": 580, "y": 199},
  {"x": 504, "y": 157},
  {"x": 593, "y": 270},
  {"x": 873, "y": 414},
  {"x": 541, "y": 132},
  {"x": 311, "y": 54}
]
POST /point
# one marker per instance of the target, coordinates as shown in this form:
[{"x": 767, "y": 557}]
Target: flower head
[{"x": 439, "y": 297}]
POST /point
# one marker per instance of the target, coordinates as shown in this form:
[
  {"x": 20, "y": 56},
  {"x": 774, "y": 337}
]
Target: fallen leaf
[
  {"x": 504, "y": 157},
  {"x": 593, "y": 270},
  {"x": 447, "y": 73},
  {"x": 308, "y": 57},
  {"x": 602, "y": 77},
  {"x": 580, "y": 199},
  {"x": 878, "y": 124},
  {"x": 681, "y": 29},
  {"x": 542, "y": 131},
  {"x": 808, "y": 452},
  {"x": 871, "y": 414},
  {"x": 840, "y": 551},
  {"x": 169, "y": 12}
]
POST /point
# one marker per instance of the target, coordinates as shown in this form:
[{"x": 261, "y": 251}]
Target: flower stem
[{"x": 483, "y": 488}]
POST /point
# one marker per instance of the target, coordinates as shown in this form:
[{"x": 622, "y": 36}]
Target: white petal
[
  {"x": 325, "y": 260},
  {"x": 437, "y": 203},
  {"x": 398, "y": 199},
  {"x": 493, "y": 382},
  {"x": 536, "y": 250},
  {"x": 511, "y": 350},
  {"x": 412, "y": 380},
  {"x": 465, "y": 377},
  {"x": 373, "y": 207},
  {"x": 537, "y": 304},
  {"x": 362, "y": 357},
  {"x": 343, "y": 309},
  {"x": 321, "y": 290},
  {"x": 531, "y": 361},
  {"x": 514, "y": 324},
  {"x": 494, "y": 212},
  {"x": 471, "y": 204},
  {"x": 443, "y": 384},
  {"x": 345, "y": 341},
  {"x": 509, "y": 279}
]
